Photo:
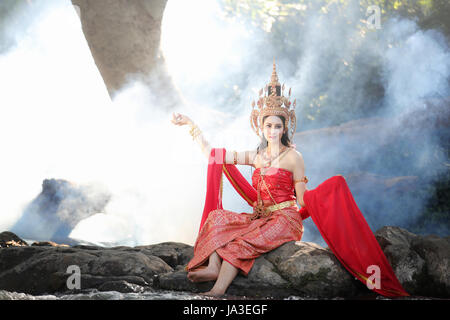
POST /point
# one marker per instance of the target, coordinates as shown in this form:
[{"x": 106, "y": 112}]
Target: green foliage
[
  {"x": 264, "y": 13},
  {"x": 283, "y": 22}
]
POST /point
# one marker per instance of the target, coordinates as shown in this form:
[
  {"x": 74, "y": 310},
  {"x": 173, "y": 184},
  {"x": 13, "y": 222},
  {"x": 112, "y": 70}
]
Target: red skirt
[{"x": 239, "y": 240}]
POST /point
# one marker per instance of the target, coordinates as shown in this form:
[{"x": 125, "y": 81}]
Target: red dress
[
  {"x": 331, "y": 206},
  {"x": 238, "y": 239}
]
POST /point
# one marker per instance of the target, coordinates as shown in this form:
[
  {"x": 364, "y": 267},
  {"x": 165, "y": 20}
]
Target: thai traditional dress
[{"x": 239, "y": 238}]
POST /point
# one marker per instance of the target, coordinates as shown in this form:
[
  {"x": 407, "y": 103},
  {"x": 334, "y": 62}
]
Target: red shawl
[{"x": 335, "y": 213}]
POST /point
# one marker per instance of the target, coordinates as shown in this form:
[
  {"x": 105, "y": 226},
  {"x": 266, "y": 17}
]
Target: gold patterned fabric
[{"x": 240, "y": 240}]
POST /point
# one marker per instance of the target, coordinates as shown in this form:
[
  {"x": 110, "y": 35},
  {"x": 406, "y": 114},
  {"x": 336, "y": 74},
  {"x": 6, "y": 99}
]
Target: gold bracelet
[
  {"x": 194, "y": 132},
  {"x": 235, "y": 157}
]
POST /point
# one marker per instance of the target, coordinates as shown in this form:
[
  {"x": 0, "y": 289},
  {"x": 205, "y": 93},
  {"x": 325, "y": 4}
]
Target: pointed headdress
[{"x": 271, "y": 102}]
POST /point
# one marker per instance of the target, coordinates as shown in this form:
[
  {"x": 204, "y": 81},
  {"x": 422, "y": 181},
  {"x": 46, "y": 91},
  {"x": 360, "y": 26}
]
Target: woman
[
  {"x": 229, "y": 242},
  {"x": 283, "y": 225}
]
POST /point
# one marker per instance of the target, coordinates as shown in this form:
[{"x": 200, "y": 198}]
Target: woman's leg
[
  {"x": 210, "y": 273},
  {"x": 226, "y": 275}
]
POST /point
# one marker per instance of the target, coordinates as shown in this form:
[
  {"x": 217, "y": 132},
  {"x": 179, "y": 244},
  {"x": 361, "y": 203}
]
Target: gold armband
[{"x": 305, "y": 180}]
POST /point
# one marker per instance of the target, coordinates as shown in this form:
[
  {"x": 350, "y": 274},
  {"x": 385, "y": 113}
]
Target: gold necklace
[
  {"x": 265, "y": 168},
  {"x": 270, "y": 158}
]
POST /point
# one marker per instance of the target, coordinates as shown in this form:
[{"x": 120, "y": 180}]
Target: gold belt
[
  {"x": 286, "y": 204},
  {"x": 281, "y": 205},
  {"x": 262, "y": 212}
]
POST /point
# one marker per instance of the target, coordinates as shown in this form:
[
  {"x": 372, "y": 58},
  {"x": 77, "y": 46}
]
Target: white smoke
[
  {"x": 46, "y": 120},
  {"x": 415, "y": 67},
  {"x": 57, "y": 121}
]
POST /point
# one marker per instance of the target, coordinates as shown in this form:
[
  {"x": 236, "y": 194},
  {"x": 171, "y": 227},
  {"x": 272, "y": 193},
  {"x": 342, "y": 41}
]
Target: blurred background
[{"x": 87, "y": 89}]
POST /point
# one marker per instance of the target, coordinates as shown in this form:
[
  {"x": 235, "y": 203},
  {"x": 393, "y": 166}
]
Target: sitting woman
[{"x": 229, "y": 242}]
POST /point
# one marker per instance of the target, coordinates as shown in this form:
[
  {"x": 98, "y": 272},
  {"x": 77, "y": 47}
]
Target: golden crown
[{"x": 271, "y": 104}]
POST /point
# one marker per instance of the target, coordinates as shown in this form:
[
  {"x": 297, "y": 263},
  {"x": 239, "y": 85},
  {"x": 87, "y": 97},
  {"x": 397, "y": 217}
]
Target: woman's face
[{"x": 273, "y": 129}]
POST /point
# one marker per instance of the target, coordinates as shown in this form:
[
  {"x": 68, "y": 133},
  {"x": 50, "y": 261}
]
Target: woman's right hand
[{"x": 180, "y": 119}]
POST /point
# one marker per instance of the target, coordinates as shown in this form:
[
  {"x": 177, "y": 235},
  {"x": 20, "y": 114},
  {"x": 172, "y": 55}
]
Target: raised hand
[{"x": 180, "y": 119}]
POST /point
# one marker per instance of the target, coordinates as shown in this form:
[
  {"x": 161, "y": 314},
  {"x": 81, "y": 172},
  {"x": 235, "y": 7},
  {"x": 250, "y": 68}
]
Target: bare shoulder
[
  {"x": 295, "y": 158},
  {"x": 295, "y": 155}
]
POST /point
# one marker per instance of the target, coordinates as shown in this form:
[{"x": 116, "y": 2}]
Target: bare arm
[
  {"x": 197, "y": 135},
  {"x": 299, "y": 176},
  {"x": 244, "y": 157},
  {"x": 202, "y": 142}
]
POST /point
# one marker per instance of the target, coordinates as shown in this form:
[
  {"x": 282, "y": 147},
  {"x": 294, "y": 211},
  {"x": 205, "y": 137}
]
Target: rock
[
  {"x": 173, "y": 253},
  {"x": 303, "y": 269},
  {"x": 262, "y": 281},
  {"x": 436, "y": 253},
  {"x": 295, "y": 268},
  {"x": 121, "y": 286},
  {"x": 58, "y": 209},
  {"x": 48, "y": 244},
  {"x": 421, "y": 263},
  {"x": 178, "y": 281},
  {"x": 408, "y": 266},
  {"x": 314, "y": 271},
  {"x": 9, "y": 239},
  {"x": 390, "y": 235},
  {"x": 44, "y": 269},
  {"x": 309, "y": 270}
]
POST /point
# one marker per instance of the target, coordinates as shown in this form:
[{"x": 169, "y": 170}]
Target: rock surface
[
  {"x": 58, "y": 208},
  {"x": 295, "y": 268},
  {"x": 48, "y": 244},
  {"x": 421, "y": 263},
  {"x": 9, "y": 239},
  {"x": 304, "y": 269},
  {"x": 45, "y": 269}
]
